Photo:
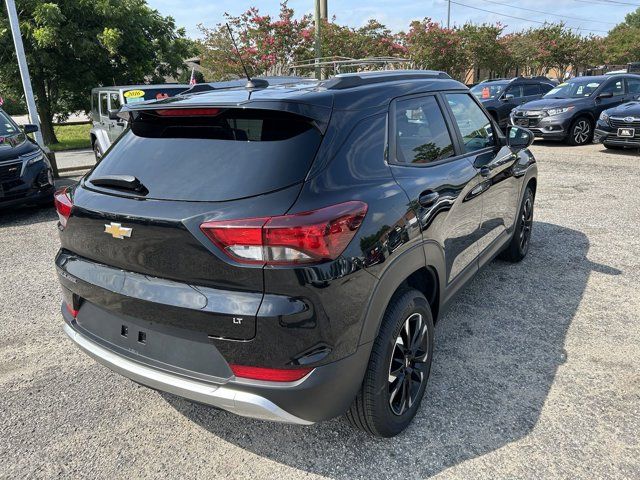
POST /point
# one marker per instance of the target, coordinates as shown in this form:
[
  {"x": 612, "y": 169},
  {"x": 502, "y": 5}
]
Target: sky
[{"x": 592, "y": 16}]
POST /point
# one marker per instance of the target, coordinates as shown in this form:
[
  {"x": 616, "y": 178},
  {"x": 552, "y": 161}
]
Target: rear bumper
[{"x": 236, "y": 401}]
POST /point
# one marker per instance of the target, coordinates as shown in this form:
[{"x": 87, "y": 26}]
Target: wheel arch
[{"x": 408, "y": 271}]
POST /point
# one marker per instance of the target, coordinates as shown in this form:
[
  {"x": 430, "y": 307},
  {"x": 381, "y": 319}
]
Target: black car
[
  {"x": 25, "y": 173},
  {"x": 282, "y": 252},
  {"x": 570, "y": 111},
  {"x": 619, "y": 127},
  {"x": 500, "y": 96}
]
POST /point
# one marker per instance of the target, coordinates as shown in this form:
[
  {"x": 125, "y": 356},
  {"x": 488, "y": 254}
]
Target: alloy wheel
[
  {"x": 408, "y": 364},
  {"x": 526, "y": 223},
  {"x": 581, "y": 131}
]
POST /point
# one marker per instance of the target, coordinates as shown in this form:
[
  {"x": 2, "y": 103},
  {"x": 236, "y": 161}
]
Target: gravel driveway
[{"x": 536, "y": 370}]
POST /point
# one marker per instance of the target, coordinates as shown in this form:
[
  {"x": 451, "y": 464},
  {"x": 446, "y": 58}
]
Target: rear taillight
[
  {"x": 270, "y": 374},
  {"x": 64, "y": 204},
  {"x": 188, "y": 112},
  {"x": 300, "y": 238}
]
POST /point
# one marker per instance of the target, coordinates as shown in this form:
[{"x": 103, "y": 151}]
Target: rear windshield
[
  {"x": 137, "y": 95},
  {"x": 217, "y": 156}
]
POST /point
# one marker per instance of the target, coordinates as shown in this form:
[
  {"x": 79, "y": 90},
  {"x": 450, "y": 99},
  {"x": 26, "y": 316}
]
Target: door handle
[
  {"x": 485, "y": 171},
  {"x": 428, "y": 198}
]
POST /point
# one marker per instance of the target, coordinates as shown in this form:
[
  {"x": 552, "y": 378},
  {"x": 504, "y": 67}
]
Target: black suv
[
  {"x": 569, "y": 111},
  {"x": 500, "y": 96},
  {"x": 25, "y": 173},
  {"x": 282, "y": 251}
]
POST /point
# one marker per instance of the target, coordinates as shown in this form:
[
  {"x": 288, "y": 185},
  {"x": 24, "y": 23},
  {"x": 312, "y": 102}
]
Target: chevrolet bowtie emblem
[{"x": 116, "y": 230}]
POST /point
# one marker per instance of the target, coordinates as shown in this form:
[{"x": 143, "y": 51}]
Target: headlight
[
  {"x": 557, "y": 111},
  {"x": 39, "y": 156},
  {"x": 604, "y": 118}
]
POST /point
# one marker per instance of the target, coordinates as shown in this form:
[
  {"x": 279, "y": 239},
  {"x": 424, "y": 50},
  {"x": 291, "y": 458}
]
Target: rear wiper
[{"x": 122, "y": 182}]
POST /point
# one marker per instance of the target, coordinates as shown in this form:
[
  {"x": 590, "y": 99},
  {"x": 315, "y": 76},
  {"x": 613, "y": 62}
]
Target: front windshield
[
  {"x": 487, "y": 91},
  {"x": 7, "y": 127},
  {"x": 574, "y": 89}
]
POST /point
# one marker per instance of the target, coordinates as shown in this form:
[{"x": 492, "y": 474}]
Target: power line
[
  {"x": 548, "y": 13},
  {"x": 521, "y": 18}
]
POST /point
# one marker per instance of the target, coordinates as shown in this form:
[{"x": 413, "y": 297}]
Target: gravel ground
[{"x": 536, "y": 371}]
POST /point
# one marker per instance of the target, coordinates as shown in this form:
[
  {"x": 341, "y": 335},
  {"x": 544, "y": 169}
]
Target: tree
[
  {"x": 266, "y": 46},
  {"x": 75, "y": 45},
  {"x": 623, "y": 42},
  {"x": 433, "y": 47}
]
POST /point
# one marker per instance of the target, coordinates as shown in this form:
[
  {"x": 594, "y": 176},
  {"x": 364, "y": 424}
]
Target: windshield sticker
[
  {"x": 133, "y": 94},
  {"x": 593, "y": 85},
  {"x": 134, "y": 100}
]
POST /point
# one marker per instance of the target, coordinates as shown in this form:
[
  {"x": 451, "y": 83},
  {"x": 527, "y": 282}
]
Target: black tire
[
  {"x": 519, "y": 245},
  {"x": 580, "y": 132},
  {"x": 374, "y": 410},
  {"x": 97, "y": 151}
]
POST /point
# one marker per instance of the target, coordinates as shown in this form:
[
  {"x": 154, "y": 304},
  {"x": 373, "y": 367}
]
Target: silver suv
[{"x": 106, "y": 103}]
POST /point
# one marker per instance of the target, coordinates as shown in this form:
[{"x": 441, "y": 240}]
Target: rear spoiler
[{"x": 318, "y": 113}]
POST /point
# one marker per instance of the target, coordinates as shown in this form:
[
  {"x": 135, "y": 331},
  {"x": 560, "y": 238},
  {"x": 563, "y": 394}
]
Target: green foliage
[
  {"x": 75, "y": 45},
  {"x": 72, "y": 136}
]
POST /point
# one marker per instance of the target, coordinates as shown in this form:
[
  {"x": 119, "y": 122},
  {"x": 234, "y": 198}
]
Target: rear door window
[
  {"x": 421, "y": 131},
  {"x": 475, "y": 127},
  {"x": 217, "y": 156},
  {"x": 530, "y": 90}
]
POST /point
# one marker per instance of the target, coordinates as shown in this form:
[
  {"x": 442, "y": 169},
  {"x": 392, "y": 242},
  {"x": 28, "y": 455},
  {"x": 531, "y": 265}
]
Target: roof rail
[
  {"x": 350, "y": 80},
  {"x": 345, "y": 64}
]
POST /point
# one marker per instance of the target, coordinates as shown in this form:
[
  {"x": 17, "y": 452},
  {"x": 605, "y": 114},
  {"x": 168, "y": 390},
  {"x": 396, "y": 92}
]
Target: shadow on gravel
[
  {"x": 497, "y": 351},
  {"x": 30, "y": 214}
]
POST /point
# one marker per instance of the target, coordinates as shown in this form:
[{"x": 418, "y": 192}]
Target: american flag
[{"x": 192, "y": 81}]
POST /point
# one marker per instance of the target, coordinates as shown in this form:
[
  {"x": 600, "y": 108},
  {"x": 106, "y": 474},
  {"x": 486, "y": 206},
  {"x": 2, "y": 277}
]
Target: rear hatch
[{"x": 140, "y": 210}]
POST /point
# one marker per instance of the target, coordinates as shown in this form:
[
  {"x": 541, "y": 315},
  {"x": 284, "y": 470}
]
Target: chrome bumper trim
[{"x": 235, "y": 401}]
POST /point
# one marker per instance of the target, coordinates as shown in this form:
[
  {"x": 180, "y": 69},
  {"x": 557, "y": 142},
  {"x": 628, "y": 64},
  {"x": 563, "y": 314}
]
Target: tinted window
[
  {"x": 530, "y": 90},
  {"x": 114, "y": 100},
  {"x": 616, "y": 87},
  {"x": 103, "y": 104},
  {"x": 421, "y": 132},
  {"x": 229, "y": 155},
  {"x": 514, "y": 90},
  {"x": 475, "y": 127},
  {"x": 545, "y": 87},
  {"x": 488, "y": 90},
  {"x": 633, "y": 84}
]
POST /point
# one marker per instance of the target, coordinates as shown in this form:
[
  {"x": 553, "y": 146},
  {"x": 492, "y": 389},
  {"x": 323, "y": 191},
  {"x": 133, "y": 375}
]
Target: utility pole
[
  {"x": 449, "y": 14},
  {"x": 324, "y": 10},
  {"x": 318, "y": 39},
  {"x": 24, "y": 70}
]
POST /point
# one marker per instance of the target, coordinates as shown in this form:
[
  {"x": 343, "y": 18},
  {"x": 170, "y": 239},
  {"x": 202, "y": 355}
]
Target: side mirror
[
  {"x": 606, "y": 95},
  {"x": 29, "y": 128},
  {"x": 113, "y": 114},
  {"x": 507, "y": 97},
  {"x": 519, "y": 138}
]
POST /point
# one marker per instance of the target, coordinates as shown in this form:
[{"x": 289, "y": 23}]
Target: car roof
[{"x": 346, "y": 91}]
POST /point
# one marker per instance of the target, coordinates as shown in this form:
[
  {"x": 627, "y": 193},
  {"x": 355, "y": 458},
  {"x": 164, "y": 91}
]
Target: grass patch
[{"x": 71, "y": 137}]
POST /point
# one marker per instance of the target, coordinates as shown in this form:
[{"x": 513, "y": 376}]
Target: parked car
[
  {"x": 107, "y": 101},
  {"x": 569, "y": 112},
  {"x": 500, "y": 96},
  {"x": 283, "y": 252},
  {"x": 619, "y": 127},
  {"x": 25, "y": 173}
]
